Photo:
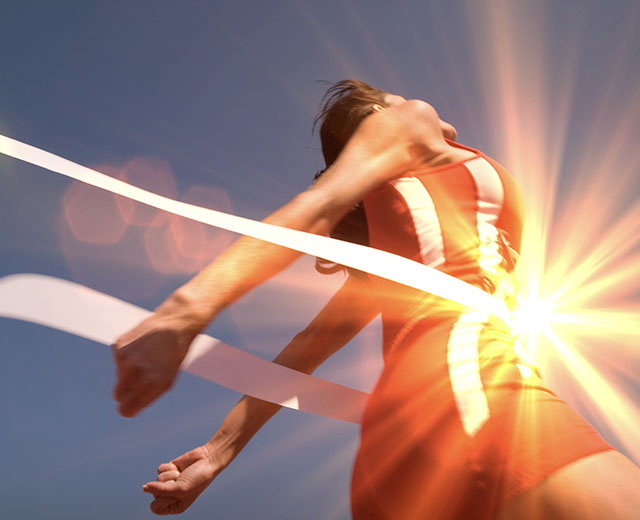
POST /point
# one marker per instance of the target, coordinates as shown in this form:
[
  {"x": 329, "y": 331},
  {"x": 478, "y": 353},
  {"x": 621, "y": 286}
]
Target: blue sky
[{"x": 223, "y": 95}]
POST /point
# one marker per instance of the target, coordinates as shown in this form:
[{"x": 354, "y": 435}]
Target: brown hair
[{"x": 343, "y": 107}]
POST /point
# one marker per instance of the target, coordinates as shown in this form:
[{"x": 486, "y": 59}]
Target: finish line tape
[
  {"x": 374, "y": 261},
  {"x": 78, "y": 310},
  {"x": 208, "y": 357}
]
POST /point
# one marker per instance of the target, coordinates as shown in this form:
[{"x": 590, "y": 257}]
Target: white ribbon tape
[
  {"x": 380, "y": 263},
  {"x": 78, "y": 310},
  {"x": 102, "y": 318}
]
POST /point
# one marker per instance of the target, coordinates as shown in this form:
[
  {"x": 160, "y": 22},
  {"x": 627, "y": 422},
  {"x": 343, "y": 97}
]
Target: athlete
[{"x": 460, "y": 424}]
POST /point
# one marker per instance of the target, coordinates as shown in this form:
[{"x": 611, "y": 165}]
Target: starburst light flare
[{"x": 578, "y": 307}]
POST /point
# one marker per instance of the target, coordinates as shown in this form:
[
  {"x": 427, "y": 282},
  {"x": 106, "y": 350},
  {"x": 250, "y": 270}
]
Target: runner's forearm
[
  {"x": 344, "y": 316},
  {"x": 249, "y": 262},
  {"x": 250, "y": 414}
]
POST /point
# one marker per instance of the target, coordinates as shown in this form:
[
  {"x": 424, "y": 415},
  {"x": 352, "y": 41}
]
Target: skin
[
  {"x": 602, "y": 486},
  {"x": 182, "y": 480},
  {"x": 387, "y": 144},
  {"x": 403, "y": 136},
  {"x": 391, "y": 100}
]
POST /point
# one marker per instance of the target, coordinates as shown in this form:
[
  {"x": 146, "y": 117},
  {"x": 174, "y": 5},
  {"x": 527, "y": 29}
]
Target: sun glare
[{"x": 578, "y": 308}]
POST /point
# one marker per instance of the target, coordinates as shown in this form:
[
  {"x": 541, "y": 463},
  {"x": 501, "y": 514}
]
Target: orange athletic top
[{"x": 463, "y": 218}]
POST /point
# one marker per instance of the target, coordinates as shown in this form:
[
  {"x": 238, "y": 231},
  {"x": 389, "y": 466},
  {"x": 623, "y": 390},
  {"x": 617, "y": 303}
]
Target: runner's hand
[
  {"x": 147, "y": 360},
  {"x": 182, "y": 480}
]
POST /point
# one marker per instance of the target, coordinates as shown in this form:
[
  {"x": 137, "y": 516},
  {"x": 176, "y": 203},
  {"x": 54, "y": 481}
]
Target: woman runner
[{"x": 459, "y": 425}]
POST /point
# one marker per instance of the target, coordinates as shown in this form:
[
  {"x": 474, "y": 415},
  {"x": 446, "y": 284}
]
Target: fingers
[
  {"x": 147, "y": 361},
  {"x": 137, "y": 385},
  {"x": 135, "y": 394},
  {"x": 167, "y": 506},
  {"x": 179, "y": 483},
  {"x": 186, "y": 459},
  {"x": 169, "y": 488},
  {"x": 122, "y": 385},
  {"x": 168, "y": 475},
  {"x": 138, "y": 397},
  {"x": 167, "y": 466},
  {"x": 136, "y": 389},
  {"x": 131, "y": 389},
  {"x": 170, "y": 497},
  {"x": 125, "y": 376}
]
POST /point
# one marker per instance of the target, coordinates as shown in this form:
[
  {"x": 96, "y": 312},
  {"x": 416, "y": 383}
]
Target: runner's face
[{"x": 448, "y": 130}]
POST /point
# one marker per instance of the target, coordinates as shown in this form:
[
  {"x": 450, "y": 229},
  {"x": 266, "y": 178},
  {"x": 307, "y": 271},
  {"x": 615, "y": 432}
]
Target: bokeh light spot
[
  {"x": 183, "y": 246},
  {"x": 151, "y": 174},
  {"x": 91, "y": 214},
  {"x": 158, "y": 246},
  {"x": 202, "y": 242}
]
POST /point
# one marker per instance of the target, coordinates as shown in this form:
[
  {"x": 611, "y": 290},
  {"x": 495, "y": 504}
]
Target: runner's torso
[
  {"x": 464, "y": 218},
  {"x": 459, "y": 420}
]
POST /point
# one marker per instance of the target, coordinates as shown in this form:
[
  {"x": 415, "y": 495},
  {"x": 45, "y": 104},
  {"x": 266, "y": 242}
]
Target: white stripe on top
[
  {"x": 464, "y": 370},
  {"x": 462, "y": 353},
  {"x": 490, "y": 201},
  {"x": 425, "y": 219},
  {"x": 462, "y": 348}
]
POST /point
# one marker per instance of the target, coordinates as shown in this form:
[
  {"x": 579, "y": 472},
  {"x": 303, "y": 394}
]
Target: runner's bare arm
[
  {"x": 182, "y": 480},
  {"x": 385, "y": 145}
]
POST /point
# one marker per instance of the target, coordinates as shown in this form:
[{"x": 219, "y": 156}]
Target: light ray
[
  {"x": 619, "y": 410},
  {"x": 579, "y": 276},
  {"x": 374, "y": 261}
]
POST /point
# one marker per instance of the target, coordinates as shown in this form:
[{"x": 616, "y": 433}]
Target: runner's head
[{"x": 345, "y": 104}]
